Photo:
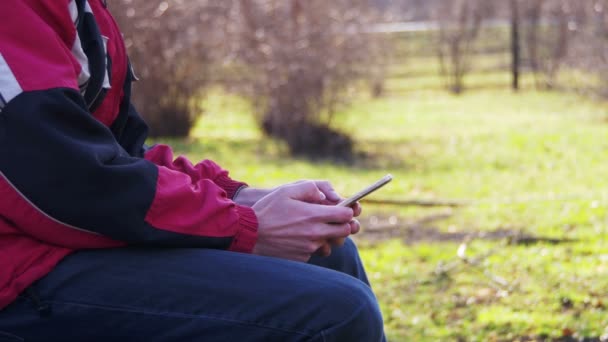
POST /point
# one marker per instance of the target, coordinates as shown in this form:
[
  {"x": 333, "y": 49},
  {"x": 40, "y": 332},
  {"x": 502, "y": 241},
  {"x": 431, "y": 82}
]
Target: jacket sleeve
[
  {"x": 162, "y": 155},
  {"x": 61, "y": 161},
  {"x": 132, "y": 132}
]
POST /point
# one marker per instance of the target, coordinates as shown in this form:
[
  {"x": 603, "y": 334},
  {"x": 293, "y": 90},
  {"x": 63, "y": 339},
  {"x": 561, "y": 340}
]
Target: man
[{"x": 104, "y": 240}]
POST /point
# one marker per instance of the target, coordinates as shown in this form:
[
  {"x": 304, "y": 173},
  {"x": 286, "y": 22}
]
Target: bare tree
[
  {"x": 548, "y": 35},
  {"x": 459, "y": 24},
  {"x": 515, "y": 44},
  {"x": 532, "y": 16},
  {"x": 598, "y": 31}
]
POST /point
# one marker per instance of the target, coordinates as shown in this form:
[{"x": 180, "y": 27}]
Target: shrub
[
  {"x": 302, "y": 57},
  {"x": 171, "y": 47}
]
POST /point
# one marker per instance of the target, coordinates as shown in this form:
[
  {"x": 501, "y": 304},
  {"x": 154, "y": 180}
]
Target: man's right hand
[{"x": 291, "y": 226}]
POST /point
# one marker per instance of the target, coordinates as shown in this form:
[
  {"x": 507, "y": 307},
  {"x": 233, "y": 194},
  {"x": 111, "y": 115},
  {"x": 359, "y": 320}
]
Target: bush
[
  {"x": 171, "y": 46},
  {"x": 302, "y": 57}
]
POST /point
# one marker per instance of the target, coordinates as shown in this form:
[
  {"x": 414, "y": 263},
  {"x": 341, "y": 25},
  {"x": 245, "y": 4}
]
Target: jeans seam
[{"x": 180, "y": 315}]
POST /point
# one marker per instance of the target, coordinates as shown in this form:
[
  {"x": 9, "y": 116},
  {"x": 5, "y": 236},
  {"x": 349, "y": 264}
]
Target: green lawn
[{"x": 532, "y": 163}]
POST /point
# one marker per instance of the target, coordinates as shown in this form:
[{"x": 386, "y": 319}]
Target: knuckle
[
  {"x": 324, "y": 183},
  {"x": 308, "y": 186}
]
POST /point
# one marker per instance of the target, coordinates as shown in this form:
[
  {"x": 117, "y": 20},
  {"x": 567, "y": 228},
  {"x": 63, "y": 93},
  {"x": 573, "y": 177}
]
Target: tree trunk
[{"x": 515, "y": 45}]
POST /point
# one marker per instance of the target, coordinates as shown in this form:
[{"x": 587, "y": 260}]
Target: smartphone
[{"x": 359, "y": 195}]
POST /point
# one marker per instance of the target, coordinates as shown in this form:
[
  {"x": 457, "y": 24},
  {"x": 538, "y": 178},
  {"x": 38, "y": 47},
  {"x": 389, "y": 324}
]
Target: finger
[
  {"x": 324, "y": 251},
  {"x": 357, "y": 208},
  {"x": 329, "y": 191},
  {"x": 337, "y": 242},
  {"x": 332, "y": 231},
  {"x": 330, "y": 213},
  {"x": 355, "y": 226},
  {"x": 306, "y": 191}
]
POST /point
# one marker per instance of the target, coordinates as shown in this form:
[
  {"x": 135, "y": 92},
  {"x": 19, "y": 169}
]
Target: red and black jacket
[{"x": 73, "y": 170}]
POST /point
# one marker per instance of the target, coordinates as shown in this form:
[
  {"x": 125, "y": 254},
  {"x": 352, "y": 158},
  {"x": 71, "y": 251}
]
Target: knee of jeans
[
  {"x": 370, "y": 314},
  {"x": 361, "y": 320}
]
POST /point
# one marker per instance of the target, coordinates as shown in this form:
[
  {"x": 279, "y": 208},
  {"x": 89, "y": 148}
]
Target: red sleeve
[
  {"x": 162, "y": 155},
  {"x": 210, "y": 183}
]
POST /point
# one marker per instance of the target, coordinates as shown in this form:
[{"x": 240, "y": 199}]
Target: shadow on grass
[
  {"x": 560, "y": 339},
  {"x": 369, "y": 155},
  {"x": 378, "y": 229}
]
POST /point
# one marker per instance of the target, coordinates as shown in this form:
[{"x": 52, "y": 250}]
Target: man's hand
[
  {"x": 296, "y": 221},
  {"x": 249, "y": 196}
]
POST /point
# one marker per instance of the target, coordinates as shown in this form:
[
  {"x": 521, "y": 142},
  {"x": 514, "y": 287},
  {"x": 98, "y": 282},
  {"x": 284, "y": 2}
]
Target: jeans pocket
[{"x": 6, "y": 337}]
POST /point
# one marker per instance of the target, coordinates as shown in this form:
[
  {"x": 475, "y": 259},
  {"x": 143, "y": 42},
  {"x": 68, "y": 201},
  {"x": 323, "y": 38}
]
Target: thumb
[{"x": 306, "y": 191}]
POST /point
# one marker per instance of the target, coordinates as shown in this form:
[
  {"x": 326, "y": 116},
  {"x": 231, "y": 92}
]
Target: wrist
[
  {"x": 247, "y": 196},
  {"x": 238, "y": 191}
]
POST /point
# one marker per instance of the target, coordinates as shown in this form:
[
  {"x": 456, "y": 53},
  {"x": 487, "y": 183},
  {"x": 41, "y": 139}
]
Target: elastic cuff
[
  {"x": 228, "y": 184},
  {"x": 247, "y": 236}
]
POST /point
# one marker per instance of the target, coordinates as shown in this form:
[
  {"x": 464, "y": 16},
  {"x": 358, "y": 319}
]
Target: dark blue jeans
[{"x": 135, "y": 294}]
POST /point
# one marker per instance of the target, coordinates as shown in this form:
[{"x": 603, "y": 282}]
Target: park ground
[{"x": 522, "y": 257}]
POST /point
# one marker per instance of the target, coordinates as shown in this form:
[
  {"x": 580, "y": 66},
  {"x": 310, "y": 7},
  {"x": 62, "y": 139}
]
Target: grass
[{"x": 533, "y": 162}]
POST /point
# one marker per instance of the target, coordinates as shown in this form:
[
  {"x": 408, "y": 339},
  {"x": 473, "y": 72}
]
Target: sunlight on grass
[{"x": 226, "y": 117}]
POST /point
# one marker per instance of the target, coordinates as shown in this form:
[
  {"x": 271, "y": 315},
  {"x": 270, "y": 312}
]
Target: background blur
[{"x": 491, "y": 115}]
